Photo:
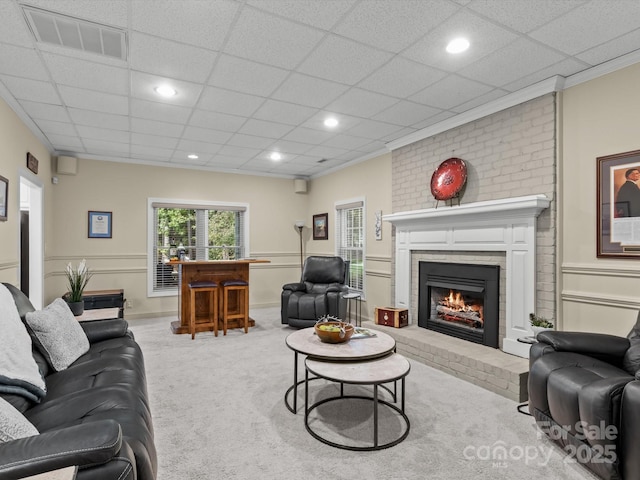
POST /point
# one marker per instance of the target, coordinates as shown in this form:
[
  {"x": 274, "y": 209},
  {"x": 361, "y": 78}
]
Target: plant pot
[
  {"x": 537, "y": 330},
  {"x": 77, "y": 308}
]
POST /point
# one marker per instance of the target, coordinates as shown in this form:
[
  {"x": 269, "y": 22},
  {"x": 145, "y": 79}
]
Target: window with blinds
[
  {"x": 193, "y": 232},
  {"x": 350, "y": 240}
]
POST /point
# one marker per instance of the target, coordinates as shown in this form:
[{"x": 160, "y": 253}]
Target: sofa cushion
[
  {"x": 19, "y": 374},
  {"x": 58, "y": 334},
  {"x": 631, "y": 360},
  {"x": 13, "y": 424}
]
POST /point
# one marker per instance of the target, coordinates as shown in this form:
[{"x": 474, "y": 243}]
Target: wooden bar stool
[
  {"x": 204, "y": 286},
  {"x": 241, "y": 287}
]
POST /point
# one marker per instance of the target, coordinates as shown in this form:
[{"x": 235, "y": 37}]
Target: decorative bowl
[{"x": 334, "y": 332}]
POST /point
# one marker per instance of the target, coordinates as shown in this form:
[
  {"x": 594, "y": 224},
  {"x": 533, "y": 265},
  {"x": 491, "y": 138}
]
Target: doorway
[{"x": 32, "y": 239}]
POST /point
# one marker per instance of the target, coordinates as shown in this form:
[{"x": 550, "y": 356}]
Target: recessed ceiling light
[
  {"x": 165, "y": 91},
  {"x": 192, "y": 156},
  {"x": 331, "y": 122},
  {"x": 458, "y": 45},
  {"x": 275, "y": 156}
]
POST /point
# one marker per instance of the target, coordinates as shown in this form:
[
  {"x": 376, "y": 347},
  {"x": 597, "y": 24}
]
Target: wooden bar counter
[{"x": 211, "y": 270}]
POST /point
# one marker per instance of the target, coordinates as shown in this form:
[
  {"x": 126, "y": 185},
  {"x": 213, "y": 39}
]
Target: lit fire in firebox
[{"x": 453, "y": 308}]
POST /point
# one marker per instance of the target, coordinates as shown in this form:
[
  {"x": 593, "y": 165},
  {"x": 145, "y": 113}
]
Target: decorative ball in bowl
[{"x": 334, "y": 332}]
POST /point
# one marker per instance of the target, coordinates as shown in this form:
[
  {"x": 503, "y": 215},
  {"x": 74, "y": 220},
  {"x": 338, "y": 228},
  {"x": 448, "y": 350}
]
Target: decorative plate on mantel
[{"x": 448, "y": 179}]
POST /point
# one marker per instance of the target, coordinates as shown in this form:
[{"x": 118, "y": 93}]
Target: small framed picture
[
  {"x": 320, "y": 226},
  {"x": 99, "y": 224},
  {"x": 4, "y": 197}
]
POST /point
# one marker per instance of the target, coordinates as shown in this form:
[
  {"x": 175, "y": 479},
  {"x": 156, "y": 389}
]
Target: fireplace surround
[{"x": 504, "y": 225}]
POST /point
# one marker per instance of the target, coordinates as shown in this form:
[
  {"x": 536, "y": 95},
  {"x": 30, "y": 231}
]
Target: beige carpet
[{"x": 218, "y": 412}]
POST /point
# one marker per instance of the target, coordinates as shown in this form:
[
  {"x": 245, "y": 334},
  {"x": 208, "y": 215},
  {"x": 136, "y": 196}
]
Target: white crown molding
[{"x": 553, "y": 84}]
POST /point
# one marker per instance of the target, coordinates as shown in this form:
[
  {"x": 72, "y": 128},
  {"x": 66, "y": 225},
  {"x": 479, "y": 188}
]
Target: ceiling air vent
[{"x": 70, "y": 32}]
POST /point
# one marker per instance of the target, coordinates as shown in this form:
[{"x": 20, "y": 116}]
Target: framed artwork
[
  {"x": 618, "y": 205},
  {"x": 4, "y": 197},
  {"x": 99, "y": 224},
  {"x": 32, "y": 163},
  {"x": 321, "y": 226},
  {"x": 378, "y": 224}
]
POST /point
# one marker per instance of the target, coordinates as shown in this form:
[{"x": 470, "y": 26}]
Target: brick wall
[{"x": 508, "y": 154}]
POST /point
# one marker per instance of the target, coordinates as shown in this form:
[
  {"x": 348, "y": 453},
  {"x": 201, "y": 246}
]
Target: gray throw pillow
[
  {"x": 13, "y": 424},
  {"x": 58, "y": 334},
  {"x": 631, "y": 360}
]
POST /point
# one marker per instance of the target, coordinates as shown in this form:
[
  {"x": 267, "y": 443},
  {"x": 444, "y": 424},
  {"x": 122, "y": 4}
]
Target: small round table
[
  {"x": 306, "y": 342},
  {"x": 376, "y": 372},
  {"x": 357, "y": 297}
]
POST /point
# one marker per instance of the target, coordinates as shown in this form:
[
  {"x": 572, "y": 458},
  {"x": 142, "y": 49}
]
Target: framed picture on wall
[
  {"x": 99, "y": 224},
  {"x": 618, "y": 205},
  {"x": 321, "y": 226},
  {"x": 4, "y": 196}
]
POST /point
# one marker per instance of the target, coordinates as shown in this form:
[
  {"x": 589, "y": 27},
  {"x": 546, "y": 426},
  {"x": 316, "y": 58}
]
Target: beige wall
[{"x": 600, "y": 117}]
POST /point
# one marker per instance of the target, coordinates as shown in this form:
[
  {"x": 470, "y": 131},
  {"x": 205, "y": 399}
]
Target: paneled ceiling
[{"x": 254, "y": 77}]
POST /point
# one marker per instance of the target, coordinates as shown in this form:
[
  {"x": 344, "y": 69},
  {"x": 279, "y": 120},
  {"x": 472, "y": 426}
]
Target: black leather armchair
[
  {"x": 320, "y": 292},
  {"x": 584, "y": 393}
]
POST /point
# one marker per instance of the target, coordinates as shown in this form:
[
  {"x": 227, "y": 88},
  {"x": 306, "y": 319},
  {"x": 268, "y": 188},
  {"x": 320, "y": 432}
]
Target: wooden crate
[{"x": 392, "y": 317}]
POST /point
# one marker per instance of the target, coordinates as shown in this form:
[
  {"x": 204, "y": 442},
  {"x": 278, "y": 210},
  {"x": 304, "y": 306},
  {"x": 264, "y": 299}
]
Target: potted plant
[
  {"x": 539, "y": 324},
  {"x": 77, "y": 279}
]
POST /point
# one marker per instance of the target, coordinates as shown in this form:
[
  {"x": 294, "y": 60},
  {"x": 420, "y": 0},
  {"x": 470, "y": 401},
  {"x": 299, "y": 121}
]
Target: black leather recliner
[
  {"x": 320, "y": 292},
  {"x": 584, "y": 393}
]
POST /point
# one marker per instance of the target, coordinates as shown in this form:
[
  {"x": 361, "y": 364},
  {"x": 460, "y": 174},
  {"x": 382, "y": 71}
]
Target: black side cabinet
[{"x": 104, "y": 299}]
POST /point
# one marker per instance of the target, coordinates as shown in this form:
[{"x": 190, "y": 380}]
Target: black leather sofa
[
  {"x": 320, "y": 292},
  {"x": 95, "y": 413},
  {"x": 584, "y": 393}
]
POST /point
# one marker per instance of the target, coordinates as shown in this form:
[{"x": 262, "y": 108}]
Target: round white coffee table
[{"x": 306, "y": 342}]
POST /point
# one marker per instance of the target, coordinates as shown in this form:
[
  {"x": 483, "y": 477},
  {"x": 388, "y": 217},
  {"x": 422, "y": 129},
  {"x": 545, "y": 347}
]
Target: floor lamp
[{"x": 300, "y": 225}]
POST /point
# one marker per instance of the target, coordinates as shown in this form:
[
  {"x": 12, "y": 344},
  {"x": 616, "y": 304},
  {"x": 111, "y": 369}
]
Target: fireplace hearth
[{"x": 461, "y": 300}]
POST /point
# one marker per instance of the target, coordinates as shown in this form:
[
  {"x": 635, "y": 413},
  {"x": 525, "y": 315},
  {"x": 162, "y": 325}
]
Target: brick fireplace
[{"x": 504, "y": 225}]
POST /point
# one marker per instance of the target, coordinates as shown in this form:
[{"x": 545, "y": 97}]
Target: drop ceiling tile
[
  {"x": 479, "y": 100},
  {"x": 153, "y": 140},
  {"x": 242, "y": 152},
  {"x": 516, "y": 60},
  {"x": 162, "y": 57},
  {"x": 65, "y": 142},
  {"x": 182, "y": 157},
  {"x": 56, "y": 128},
  {"x": 45, "y": 111},
  {"x": 347, "y": 142},
  {"x": 389, "y": 137},
  {"x": 589, "y": 24},
  {"x": 251, "y": 141},
  {"x": 324, "y": 151},
  {"x": 401, "y": 78},
  {"x": 406, "y": 113},
  {"x": 397, "y": 24},
  {"x": 13, "y": 31},
  {"x": 112, "y": 12},
  {"x": 217, "y": 121},
  {"x": 98, "y": 133},
  {"x": 206, "y": 135},
  {"x": 152, "y": 127},
  {"x": 289, "y": 147},
  {"x": 527, "y": 16},
  {"x": 35, "y": 90},
  {"x": 88, "y": 75},
  {"x": 435, "y": 119},
  {"x": 96, "y": 101},
  {"x": 360, "y": 103},
  {"x": 226, "y": 162},
  {"x": 310, "y": 91},
  {"x": 612, "y": 49},
  {"x": 21, "y": 62},
  {"x": 484, "y": 36},
  {"x": 227, "y": 101},
  {"x": 284, "y": 112},
  {"x": 261, "y": 128},
  {"x": 159, "y": 111},
  {"x": 323, "y": 15},
  {"x": 97, "y": 119},
  {"x": 101, "y": 147},
  {"x": 343, "y": 60},
  {"x": 203, "y": 24},
  {"x": 151, "y": 153},
  {"x": 269, "y": 39},
  {"x": 143, "y": 85},
  {"x": 449, "y": 92},
  {"x": 243, "y": 75},
  {"x": 372, "y": 129},
  {"x": 307, "y": 135},
  {"x": 345, "y": 122},
  {"x": 374, "y": 146},
  {"x": 563, "y": 68},
  {"x": 199, "y": 148}
]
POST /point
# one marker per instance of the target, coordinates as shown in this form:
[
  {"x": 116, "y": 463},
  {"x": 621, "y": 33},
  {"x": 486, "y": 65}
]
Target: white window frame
[
  {"x": 339, "y": 205},
  {"x": 182, "y": 203}
]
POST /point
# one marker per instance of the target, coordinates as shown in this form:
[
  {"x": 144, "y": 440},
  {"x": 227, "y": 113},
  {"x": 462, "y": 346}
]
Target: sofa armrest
[
  {"x": 100, "y": 330},
  {"x": 608, "y": 348},
  {"x": 92, "y": 443},
  {"x": 295, "y": 287},
  {"x": 337, "y": 287}
]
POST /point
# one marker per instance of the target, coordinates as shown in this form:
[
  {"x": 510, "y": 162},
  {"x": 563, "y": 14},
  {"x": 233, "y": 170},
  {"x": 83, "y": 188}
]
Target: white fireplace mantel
[{"x": 506, "y": 225}]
